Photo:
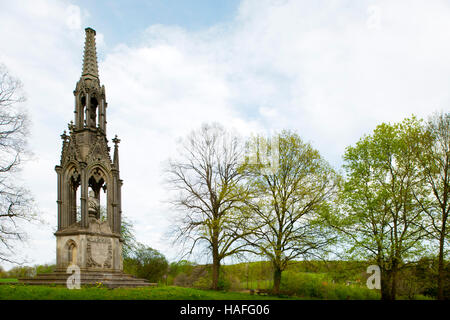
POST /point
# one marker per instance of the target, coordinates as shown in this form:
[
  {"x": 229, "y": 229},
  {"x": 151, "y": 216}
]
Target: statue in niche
[{"x": 93, "y": 205}]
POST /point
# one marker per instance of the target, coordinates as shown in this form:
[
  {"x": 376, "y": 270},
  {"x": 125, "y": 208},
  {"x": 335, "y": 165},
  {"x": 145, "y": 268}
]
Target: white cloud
[{"x": 331, "y": 71}]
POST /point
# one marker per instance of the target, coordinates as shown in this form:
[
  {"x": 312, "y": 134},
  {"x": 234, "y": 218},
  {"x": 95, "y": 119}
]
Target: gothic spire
[{"x": 90, "y": 67}]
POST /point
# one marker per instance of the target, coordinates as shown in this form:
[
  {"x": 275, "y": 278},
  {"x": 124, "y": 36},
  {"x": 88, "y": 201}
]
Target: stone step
[
  {"x": 89, "y": 276},
  {"x": 110, "y": 280},
  {"x": 112, "y": 284},
  {"x": 90, "y": 273},
  {"x": 93, "y": 280},
  {"x": 108, "y": 285},
  {"x": 82, "y": 280}
]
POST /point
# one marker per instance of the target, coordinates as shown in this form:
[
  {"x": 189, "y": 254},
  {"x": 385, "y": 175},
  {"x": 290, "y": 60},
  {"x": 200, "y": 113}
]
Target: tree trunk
[
  {"x": 440, "y": 293},
  {"x": 276, "y": 280},
  {"x": 386, "y": 290},
  {"x": 215, "y": 267},
  {"x": 394, "y": 284}
]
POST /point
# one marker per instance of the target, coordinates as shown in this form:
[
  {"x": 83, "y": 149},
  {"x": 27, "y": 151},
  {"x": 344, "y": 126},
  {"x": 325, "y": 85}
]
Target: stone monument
[{"x": 83, "y": 238}]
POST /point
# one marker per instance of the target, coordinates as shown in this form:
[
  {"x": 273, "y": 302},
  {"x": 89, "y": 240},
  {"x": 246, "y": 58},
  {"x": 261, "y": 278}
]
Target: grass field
[
  {"x": 24, "y": 292},
  {"x": 8, "y": 280},
  {"x": 11, "y": 291}
]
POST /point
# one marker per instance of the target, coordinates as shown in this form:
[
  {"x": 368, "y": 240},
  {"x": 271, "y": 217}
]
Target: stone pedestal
[
  {"x": 95, "y": 248},
  {"x": 96, "y": 251}
]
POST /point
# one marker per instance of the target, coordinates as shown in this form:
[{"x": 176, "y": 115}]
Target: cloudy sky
[{"x": 332, "y": 70}]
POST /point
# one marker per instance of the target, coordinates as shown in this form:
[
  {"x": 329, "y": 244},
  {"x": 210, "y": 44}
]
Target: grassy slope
[
  {"x": 8, "y": 280},
  {"x": 22, "y": 292}
]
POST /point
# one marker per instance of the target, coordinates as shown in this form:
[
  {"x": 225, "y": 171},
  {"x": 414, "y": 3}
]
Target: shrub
[
  {"x": 203, "y": 282},
  {"x": 182, "y": 266},
  {"x": 44, "y": 268},
  {"x": 145, "y": 262},
  {"x": 193, "y": 277},
  {"x": 3, "y": 273},
  {"x": 315, "y": 286},
  {"x": 302, "y": 284},
  {"x": 21, "y": 272},
  {"x": 181, "y": 280}
]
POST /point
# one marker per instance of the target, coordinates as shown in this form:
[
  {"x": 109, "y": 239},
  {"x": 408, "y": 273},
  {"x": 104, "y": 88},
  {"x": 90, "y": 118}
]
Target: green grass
[
  {"x": 8, "y": 280},
  {"x": 24, "y": 292},
  {"x": 316, "y": 286}
]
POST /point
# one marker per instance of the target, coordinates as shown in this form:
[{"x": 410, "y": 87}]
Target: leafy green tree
[
  {"x": 21, "y": 272},
  {"x": 3, "y": 273},
  {"x": 378, "y": 214},
  {"x": 287, "y": 203},
  {"x": 182, "y": 266},
  {"x": 208, "y": 194},
  {"x": 433, "y": 160},
  {"x": 147, "y": 263},
  {"x": 130, "y": 243},
  {"x": 44, "y": 268}
]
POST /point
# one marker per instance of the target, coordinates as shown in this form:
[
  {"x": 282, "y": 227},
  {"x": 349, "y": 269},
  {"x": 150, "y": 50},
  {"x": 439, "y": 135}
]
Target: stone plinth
[
  {"x": 95, "y": 248},
  {"x": 89, "y": 278},
  {"x": 96, "y": 251}
]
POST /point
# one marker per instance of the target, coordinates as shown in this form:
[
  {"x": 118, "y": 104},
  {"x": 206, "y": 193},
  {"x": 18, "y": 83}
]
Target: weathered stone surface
[{"x": 98, "y": 248}]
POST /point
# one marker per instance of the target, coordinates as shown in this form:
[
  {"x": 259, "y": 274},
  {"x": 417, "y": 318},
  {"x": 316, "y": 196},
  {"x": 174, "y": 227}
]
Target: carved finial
[
  {"x": 64, "y": 137},
  {"x": 70, "y": 126},
  {"x": 116, "y": 141},
  {"x": 116, "y": 152},
  {"x": 90, "y": 67}
]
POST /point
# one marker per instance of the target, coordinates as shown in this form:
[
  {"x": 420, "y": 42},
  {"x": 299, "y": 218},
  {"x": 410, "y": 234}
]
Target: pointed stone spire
[{"x": 90, "y": 67}]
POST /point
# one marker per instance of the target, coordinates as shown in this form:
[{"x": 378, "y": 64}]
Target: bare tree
[
  {"x": 433, "y": 158},
  {"x": 15, "y": 200},
  {"x": 287, "y": 203},
  {"x": 207, "y": 180}
]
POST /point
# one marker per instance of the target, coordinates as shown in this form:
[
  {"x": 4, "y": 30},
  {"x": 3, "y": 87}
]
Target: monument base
[
  {"x": 89, "y": 278},
  {"x": 95, "y": 248}
]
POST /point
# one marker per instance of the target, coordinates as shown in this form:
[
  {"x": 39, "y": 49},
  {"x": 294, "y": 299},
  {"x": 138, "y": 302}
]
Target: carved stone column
[
  {"x": 84, "y": 197},
  {"x": 59, "y": 192}
]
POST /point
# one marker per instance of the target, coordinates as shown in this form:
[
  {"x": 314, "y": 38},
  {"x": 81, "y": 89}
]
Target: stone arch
[
  {"x": 98, "y": 166},
  {"x": 82, "y": 102},
  {"x": 93, "y": 111},
  {"x": 72, "y": 184},
  {"x": 71, "y": 252},
  {"x": 73, "y": 172},
  {"x": 98, "y": 179}
]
